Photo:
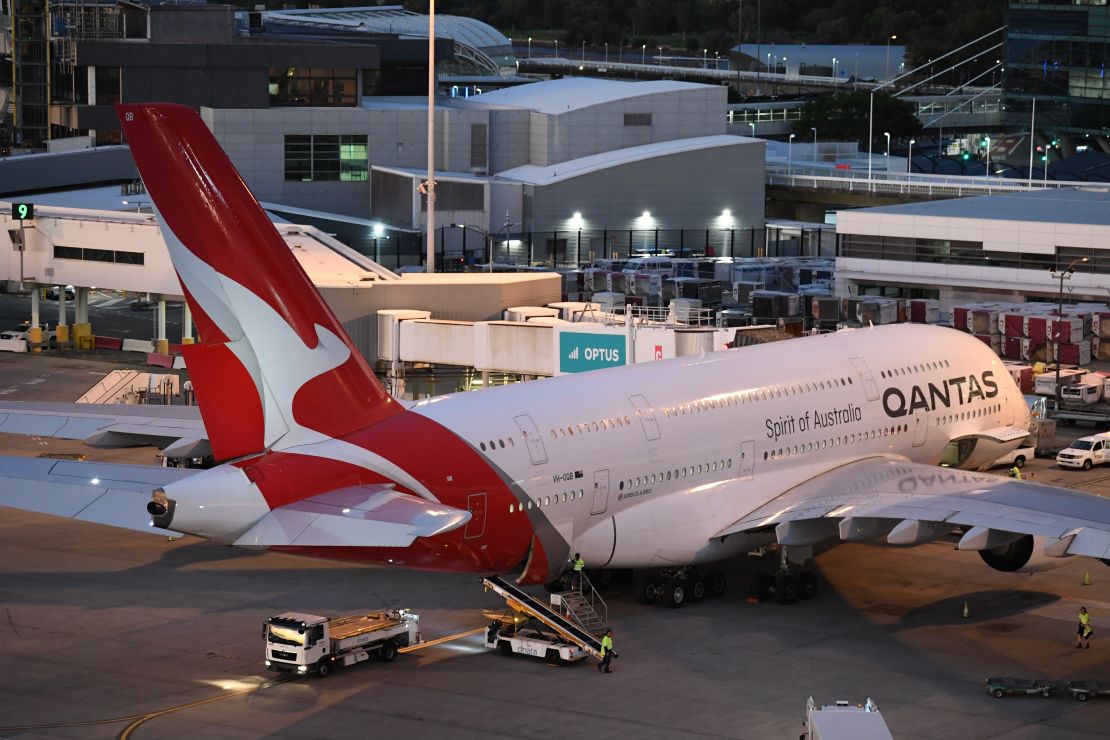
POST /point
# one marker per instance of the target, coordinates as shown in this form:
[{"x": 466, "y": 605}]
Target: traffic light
[
  {"x": 966, "y": 155},
  {"x": 983, "y": 142},
  {"x": 1054, "y": 142}
]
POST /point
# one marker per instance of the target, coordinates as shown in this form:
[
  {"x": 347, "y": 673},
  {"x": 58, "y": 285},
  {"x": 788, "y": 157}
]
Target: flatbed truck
[{"x": 301, "y": 643}]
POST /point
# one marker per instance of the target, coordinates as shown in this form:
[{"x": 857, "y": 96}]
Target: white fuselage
[{"x": 641, "y": 466}]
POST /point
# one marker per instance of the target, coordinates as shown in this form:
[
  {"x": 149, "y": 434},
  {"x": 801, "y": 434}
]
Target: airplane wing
[
  {"x": 117, "y": 495},
  {"x": 102, "y": 493},
  {"x": 177, "y": 430},
  {"x": 910, "y": 503}
]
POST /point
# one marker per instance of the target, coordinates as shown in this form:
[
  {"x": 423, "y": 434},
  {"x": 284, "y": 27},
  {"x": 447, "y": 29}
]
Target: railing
[
  {"x": 804, "y": 175},
  {"x": 589, "y": 597}
]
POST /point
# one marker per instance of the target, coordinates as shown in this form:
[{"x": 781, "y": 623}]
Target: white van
[{"x": 1085, "y": 452}]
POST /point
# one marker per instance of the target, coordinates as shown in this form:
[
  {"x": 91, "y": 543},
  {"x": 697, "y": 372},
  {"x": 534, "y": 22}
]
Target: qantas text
[{"x": 952, "y": 392}]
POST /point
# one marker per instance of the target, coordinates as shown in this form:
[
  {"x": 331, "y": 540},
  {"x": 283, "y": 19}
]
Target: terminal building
[{"x": 993, "y": 247}]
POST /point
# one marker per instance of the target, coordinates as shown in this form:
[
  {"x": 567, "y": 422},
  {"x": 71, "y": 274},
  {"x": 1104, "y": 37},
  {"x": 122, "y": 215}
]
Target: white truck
[
  {"x": 515, "y": 635},
  {"x": 1085, "y": 452},
  {"x": 1017, "y": 457},
  {"x": 301, "y": 643},
  {"x": 844, "y": 721}
]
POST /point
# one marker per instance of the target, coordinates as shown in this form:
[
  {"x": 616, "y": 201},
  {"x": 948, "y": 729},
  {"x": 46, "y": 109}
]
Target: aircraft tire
[
  {"x": 647, "y": 591},
  {"x": 675, "y": 593},
  {"x": 786, "y": 589},
  {"x": 807, "y": 584},
  {"x": 697, "y": 590},
  {"x": 715, "y": 584}
]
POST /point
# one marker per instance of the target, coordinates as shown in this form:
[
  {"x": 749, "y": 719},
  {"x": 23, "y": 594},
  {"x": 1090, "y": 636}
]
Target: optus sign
[{"x": 582, "y": 351}]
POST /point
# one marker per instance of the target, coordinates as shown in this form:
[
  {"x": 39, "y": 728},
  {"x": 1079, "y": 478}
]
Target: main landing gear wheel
[
  {"x": 807, "y": 584},
  {"x": 697, "y": 591},
  {"x": 715, "y": 584},
  {"x": 647, "y": 591},
  {"x": 674, "y": 593},
  {"x": 786, "y": 588}
]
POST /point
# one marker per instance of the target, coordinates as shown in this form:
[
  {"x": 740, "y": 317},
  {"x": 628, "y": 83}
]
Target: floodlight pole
[
  {"x": 431, "y": 184},
  {"x": 1060, "y": 314}
]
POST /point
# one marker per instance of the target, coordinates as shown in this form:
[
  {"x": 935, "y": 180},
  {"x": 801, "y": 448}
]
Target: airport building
[{"x": 996, "y": 247}]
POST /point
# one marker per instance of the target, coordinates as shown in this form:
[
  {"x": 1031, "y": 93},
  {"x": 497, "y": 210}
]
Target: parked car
[
  {"x": 143, "y": 305},
  {"x": 1017, "y": 457},
  {"x": 53, "y": 292},
  {"x": 11, "y": 341}
]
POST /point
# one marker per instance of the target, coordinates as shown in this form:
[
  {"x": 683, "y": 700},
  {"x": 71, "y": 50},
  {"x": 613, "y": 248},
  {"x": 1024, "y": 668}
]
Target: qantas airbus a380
[{"x": 671, "y": 464}]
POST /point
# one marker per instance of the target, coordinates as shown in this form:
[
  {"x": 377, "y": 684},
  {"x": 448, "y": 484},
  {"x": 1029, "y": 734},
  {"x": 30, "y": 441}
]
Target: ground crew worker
[
  {"x": 606, "y": 651},
  {"x": 577, "y": 565},
  {"x": 1015, "y": 472},
  {"x": 1083, "y": 634}
]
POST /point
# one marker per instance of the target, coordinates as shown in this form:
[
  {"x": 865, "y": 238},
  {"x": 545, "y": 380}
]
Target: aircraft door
[
  {"x": 747, "y": 459},
  {"x": 920, "y": 428},
  {"x": 532, "y": 438},
  {"x": 476, "y": 505},
  {"x": 863, "y": 372},
  {"x": 646, "y": 415},
  {"x": 601, "y": 491}
]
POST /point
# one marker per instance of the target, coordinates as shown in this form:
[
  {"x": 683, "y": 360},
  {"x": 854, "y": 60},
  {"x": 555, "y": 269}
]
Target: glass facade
[
  {"x": 310, "y": 158},
  {"x": 953, "y": 252},
  {"x": 314, "y": 86},
  {"x": 1057, "y": 52}
]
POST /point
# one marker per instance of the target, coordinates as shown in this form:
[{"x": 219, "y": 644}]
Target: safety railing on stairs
[{"x": 583, "y": 604}]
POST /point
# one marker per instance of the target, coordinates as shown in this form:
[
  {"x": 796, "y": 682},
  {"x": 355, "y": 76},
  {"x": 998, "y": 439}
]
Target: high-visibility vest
[
  {"x": 1015, "y": 472},
  {"x": 579, "y": 564},
  {"x": 1085, "y": 619},
  {"x": 606, "y": 645}
]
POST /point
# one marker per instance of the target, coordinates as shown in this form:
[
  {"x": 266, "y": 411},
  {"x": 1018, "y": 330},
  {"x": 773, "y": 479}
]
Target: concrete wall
[
  {"x": 510, "y": 139},
  {"x": 26, "y": 174},
  {"x": 255, "y": 142},
  {"x": 687, "y": 189}
]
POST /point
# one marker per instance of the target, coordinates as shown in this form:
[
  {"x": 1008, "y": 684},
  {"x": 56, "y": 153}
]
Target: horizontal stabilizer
[
  {"x": 102, "y": 493},
  {"x": 360, "y": 516}
]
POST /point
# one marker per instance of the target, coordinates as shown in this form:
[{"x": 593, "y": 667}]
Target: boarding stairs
[{"x": 579, "y": 614}]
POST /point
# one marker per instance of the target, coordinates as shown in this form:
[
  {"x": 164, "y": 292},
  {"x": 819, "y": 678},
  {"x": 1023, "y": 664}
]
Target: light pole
[
  {"x": 704, "y": 58},
  {"x": 529, "y": 47},
  {"x": 1032, "y": 139},
  {"x": 556, "y": 48},
  {"x": 887, "y": 135},
  {"x": 430, "y": 184},
  {"x": 870, "y": 134},
  {"x": 643, "y": 54},
  {"x": 834, "y": 68},
  {"x": 753, "y": 128},
  {"x": 606, "y": 52},
  {"x": 814, "y": 130},
  {"x": 660, "y": 58},
  {"x": 583, "y": 52},
  {"x": 789, "y": 146},
  {"x": 909, "y": 157},
  {"x": 987, "y": 175},
  {"x": 886, "y": 75},
  {"x": 785, "y": 67},
  {"x": 1060, "y": 313}
]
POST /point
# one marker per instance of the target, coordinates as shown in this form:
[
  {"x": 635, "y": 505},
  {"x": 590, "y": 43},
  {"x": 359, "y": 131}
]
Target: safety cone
[
  {"x": 965, "y": 610},
  {"x": 1086, "y": 578}
]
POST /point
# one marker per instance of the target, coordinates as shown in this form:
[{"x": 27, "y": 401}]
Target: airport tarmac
[{"x": 108, "y": 633}]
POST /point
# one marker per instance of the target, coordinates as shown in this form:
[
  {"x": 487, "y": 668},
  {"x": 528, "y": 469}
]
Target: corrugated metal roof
[
  {"x": 573, "y": 93},
  {"x": 537, "y": 175}
]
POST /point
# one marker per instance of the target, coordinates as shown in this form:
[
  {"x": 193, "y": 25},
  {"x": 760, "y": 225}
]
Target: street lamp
[
  {"x": 814, "y": 130},
  {"x": 704, "y": 58},
  {"x": 789, "y": 145},
  {"x": 583, "y": 51},
  {"x": 529, "y": 47},
  {"x": 909, "y": 157},
  {"x": 887, "y": 135},
  {"x": 988, "y": 172},
  {"x": 753, "y": 128},
  {"x": 660, "y": 58},
  {"x": 606, "y": 52},
  {"x": 834, "y": 68},
  {"x": 556, "y": 48},
  {"x": 643, "y": 54},
  {"x": 893, "y": 37},
  {"x": 1060, "y": 312}
]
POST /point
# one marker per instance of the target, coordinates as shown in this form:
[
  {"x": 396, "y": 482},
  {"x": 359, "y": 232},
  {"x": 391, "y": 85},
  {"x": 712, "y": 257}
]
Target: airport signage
[{"x": 582, "y": 351}]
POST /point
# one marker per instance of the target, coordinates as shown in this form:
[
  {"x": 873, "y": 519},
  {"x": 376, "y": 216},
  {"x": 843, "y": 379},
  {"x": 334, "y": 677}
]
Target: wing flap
[
  {"x": 366, "y": 516},
  {"x": 1075, "y": 522}
]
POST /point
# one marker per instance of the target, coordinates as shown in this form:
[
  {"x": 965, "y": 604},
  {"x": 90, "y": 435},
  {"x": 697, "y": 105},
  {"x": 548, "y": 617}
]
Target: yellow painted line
[
  {"x": 441, "y": 640},
  {"x": 126, "y": 733}
]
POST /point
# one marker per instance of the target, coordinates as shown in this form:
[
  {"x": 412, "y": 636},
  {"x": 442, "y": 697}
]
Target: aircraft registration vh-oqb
[{"x": 673, "y": 464}]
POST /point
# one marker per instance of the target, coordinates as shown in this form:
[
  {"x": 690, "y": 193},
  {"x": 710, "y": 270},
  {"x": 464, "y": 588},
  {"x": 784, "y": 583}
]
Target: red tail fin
[{"x": 286, "y": 367}]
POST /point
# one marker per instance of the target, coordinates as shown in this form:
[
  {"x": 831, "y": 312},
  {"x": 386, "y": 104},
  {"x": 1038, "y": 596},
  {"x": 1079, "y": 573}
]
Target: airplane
[{"x": 672, "y": 465}]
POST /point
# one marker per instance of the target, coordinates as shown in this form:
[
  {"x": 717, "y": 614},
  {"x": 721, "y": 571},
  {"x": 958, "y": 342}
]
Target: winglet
[{"x": 275, "y": 359}]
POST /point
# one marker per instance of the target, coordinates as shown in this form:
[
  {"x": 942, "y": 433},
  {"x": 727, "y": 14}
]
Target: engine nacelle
[
  {"x": 1010, "y": 557},
  {"x": 219, "y": 504}
]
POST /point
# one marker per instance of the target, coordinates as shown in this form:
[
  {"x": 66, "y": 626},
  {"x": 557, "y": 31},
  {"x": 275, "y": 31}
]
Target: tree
[{"x": 844, "y": 116}]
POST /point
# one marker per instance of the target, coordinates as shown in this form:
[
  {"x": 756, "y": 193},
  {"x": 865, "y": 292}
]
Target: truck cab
[
  {"x": 296, "y": 640},
  {"x": 1085, "y": 452}
]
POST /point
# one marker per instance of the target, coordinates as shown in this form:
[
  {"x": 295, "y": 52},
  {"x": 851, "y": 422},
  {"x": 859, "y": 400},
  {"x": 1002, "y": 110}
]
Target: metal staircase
[{"x": 580, "y": 618}]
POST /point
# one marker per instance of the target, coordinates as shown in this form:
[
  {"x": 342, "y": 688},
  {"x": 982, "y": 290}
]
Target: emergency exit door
[
  {"x": 747, "y": 459},
  {"x": 476, "y": 526},
  {"x": 601, "y": 492}
]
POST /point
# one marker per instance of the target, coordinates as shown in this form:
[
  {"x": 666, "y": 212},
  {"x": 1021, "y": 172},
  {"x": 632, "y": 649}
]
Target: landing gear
[
  {"x": 786, "y": 585},
  {"x": 677, "y": 586}
]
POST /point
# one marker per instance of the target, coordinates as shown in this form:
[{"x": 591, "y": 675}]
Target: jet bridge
[{"x": 577, "y": 615}]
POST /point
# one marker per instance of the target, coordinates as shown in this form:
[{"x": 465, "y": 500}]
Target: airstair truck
[{"x": 301, "y": 643}]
